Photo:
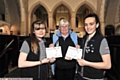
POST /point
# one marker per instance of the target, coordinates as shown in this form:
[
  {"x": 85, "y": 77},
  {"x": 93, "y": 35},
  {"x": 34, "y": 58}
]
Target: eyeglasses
[
  {"x": 63, "y": 26},
  {"x": 39, "y": 28}
]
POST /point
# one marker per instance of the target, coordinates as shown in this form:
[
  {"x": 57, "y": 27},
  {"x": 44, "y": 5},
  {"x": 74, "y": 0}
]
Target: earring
[{"x": 97, "y": 25}]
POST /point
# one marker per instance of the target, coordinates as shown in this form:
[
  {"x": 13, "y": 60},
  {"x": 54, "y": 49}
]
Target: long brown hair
[{"x": 34, "y": 41}]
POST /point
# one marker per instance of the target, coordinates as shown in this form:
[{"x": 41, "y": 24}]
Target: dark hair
[
  {"x": 34, "y": 41},
  {"x": 96, "y": 19},
  {"x": 38, "y": 22}
]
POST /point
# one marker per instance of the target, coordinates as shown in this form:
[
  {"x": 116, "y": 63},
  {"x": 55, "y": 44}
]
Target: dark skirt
[{"x": 35, "y": 73}]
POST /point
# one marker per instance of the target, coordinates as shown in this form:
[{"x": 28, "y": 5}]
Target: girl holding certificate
[
  {"x": 32, "y": 58},
  {"x": 96, "y": 53}
]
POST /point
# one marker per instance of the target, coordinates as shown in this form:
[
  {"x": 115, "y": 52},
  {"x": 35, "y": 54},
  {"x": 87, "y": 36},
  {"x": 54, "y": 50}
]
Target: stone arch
[
  {"x": 36, "y": 4},
  {"x": 88, "y": 5},
  {"x": 39, "y": 9},
  {"x": 58, "y": 4},
  {"x": 32, "y": 9},
  {"x": 81, "y": 11}
]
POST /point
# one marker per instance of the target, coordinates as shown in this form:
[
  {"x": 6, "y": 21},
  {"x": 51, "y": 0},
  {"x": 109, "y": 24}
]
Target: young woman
[
  {"x": 96, "y": 54},
  {"x": 32, "y": 58}
]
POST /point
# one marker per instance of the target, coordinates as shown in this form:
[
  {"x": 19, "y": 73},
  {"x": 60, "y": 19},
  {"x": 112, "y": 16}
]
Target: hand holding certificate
[
  {"x": 74, "y": 53},
  {"x": 53, "y": 52}
]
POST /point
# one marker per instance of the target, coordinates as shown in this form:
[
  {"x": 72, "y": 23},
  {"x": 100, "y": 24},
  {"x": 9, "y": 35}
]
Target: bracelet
[{"x": 40, "y": 62}]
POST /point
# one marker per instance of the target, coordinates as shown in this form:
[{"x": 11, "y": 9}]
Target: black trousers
[{"x": 65, "y": 74}]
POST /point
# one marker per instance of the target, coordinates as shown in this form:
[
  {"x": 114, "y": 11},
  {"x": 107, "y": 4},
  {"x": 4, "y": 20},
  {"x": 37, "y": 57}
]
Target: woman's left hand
[{"x": 52, "y": 59}]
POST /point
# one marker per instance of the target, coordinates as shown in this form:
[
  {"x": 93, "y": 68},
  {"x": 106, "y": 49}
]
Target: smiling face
[
  {"x": 90, "y": 25},
  {"x": 39, "y": 30},
  {"x": 64, "y": 29}
]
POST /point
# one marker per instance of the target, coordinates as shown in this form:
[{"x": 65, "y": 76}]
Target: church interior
[{"x": 16, "y": 17}]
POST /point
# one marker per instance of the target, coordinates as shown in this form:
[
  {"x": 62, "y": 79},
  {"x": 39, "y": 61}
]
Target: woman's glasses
[
  {"x": 64, "y": 26},
  {"x": 38, "y": 28}
]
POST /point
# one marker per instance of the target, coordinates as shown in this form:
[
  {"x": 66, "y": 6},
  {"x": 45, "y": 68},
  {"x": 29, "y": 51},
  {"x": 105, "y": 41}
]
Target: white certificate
[
  {"x": 53, "y": 52},
  {"x": 74, "y": 53}
]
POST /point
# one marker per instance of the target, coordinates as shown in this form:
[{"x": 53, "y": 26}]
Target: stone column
[
  {"x": 73, "y": 21},
  {"x": 101, "y": 17},
  {"x": 51, "y": 21},
  {"x": 102, "y": 28},
  {"x": 24, "y": 27}
]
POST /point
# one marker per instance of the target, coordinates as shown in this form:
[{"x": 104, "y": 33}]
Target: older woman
[{"x": 65, "y": 68}]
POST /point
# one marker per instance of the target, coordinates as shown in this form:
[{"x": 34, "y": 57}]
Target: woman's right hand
[
  {"x": 51, "y": 45},
  {"x": 45, "y": 60},
  {"x": 82, "y": 62}
]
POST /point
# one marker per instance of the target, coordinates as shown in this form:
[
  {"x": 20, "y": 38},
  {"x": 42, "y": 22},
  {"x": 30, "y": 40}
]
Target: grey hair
[{"x": 63, "y": 21}]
